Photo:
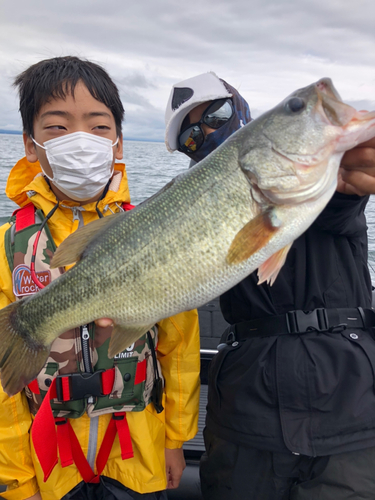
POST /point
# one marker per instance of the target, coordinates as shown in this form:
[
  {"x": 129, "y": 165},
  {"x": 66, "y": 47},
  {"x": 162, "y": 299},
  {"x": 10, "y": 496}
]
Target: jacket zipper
[
  {"x": 77, "y": 215},
  {"x": 85, "y": 335},
  {"x": 94, "y": 421},
  {"x": 87, "y": 365}
]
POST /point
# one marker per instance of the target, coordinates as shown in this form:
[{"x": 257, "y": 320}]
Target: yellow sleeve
[
  {"x": 6, "y": 285},
  {"x": 16, "y": 466},
  {"x": 179, "y": 356}
]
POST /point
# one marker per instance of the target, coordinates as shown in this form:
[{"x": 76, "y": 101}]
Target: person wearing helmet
[
  {"x": 201, "y": 113},
  {"x": 290, "y": 408}
]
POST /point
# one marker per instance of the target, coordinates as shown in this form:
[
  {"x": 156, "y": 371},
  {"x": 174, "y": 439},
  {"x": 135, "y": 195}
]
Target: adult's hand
[
  {"x": 175, "y": 465},
  {"x": 357, "y": 170}
]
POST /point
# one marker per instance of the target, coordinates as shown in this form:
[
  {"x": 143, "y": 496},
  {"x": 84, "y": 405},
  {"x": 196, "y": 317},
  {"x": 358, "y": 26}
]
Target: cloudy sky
[{"x": 264, "y": 48}]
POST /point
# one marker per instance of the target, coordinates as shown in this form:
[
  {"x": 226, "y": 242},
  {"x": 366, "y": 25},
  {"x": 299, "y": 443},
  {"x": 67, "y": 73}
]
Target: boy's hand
[
  {"x": 35, "y": 497},
  {"x": 174, "y": 464},
  {"x": 104, "y": 322},
  {"x": 357, "y": 170}
]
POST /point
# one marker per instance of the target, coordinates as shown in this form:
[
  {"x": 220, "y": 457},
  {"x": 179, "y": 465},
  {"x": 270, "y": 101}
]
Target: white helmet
[{"x": 185, "y": 96}]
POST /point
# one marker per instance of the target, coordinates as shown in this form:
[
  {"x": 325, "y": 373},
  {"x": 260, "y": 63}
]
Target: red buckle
[{"x": 75, "y": 386}]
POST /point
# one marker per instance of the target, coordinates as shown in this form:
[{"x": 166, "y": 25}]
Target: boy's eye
[
  {"x": 56, "y": 127},
  {"x": 102, "y": 127}
]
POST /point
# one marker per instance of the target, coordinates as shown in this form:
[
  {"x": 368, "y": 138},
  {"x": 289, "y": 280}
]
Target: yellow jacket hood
[{"x": 26, "y": 178}]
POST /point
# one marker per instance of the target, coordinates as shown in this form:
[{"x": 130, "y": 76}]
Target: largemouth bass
[{"x": 238, "y": 210}]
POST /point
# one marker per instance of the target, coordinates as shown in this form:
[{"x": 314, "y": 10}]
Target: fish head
[{"x": 301, "y": 142}]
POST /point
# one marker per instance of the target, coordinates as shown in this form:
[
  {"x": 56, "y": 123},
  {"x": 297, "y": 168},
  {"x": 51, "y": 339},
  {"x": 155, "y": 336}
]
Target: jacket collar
[{"x": 26, "y": 181}]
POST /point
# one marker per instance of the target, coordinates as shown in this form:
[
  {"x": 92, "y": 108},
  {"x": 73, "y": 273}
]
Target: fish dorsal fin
[
  {"x": 162, "y": 190},
  {"x": 123, "y": 336},
  {"x": 72, "y": 247},
  {"x": 253, "y": 236},
  {"x": 269, "y": 270}
]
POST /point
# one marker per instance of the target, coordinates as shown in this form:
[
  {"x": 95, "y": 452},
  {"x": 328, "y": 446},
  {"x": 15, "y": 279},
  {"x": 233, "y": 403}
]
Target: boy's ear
[
  {"x": 29, "y": 148},
  {"x": 119, "y": 150}
]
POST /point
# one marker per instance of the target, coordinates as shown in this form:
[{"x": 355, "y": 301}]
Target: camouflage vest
[{"x": 80, "y": 351}]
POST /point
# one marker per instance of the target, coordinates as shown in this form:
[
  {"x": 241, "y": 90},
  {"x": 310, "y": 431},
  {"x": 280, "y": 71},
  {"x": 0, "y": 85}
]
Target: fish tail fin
[{"x": 22, "y": 356}]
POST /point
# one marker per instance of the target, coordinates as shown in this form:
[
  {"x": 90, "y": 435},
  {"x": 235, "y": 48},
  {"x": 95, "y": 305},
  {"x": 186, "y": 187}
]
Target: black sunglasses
[{"x": 215, "y": 116}]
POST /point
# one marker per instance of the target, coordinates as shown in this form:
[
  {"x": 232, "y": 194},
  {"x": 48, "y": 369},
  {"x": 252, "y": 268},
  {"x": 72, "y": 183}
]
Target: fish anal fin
[
  {"x": 73, "y": 246},
  {"x": 253, "y": 236},
  {"x": 123, "y": 336},
  {"x": 269, "y": 270}
]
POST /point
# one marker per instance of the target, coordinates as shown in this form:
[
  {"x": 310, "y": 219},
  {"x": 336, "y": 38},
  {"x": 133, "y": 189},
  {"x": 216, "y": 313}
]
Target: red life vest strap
[
  {"x": 117, "y": 425},
  {"x": 70, "y": 450},
  {"x": 127, "y": 206},
  {"x": 140, "y": 373},
  {"x": 25, "y": 216},
  {"x": 47, "y": 439},
  {"x": 34, "y": 387},
  {"x": 63, "y": 442},
  {"x": 43, "y": 434}
]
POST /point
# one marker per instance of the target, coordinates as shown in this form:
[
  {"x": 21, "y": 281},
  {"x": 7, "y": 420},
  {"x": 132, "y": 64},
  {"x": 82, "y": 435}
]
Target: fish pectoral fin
[
  {"x": 253, "y": 236},
  {"x": 73, "y": 246},
  {"x": 269, "y": 270},
  {"x": 123, "y": 336}
]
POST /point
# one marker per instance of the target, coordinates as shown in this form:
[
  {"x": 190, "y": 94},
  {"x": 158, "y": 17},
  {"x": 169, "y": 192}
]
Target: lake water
[{"x": 149, "y": 167}]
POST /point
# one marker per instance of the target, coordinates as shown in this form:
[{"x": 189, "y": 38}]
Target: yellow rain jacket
[{"x": 151, "y": 433}]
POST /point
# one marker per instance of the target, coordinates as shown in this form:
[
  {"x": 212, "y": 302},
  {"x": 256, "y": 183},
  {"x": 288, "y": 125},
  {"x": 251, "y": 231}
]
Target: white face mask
[{"x": 81, "y": 163}]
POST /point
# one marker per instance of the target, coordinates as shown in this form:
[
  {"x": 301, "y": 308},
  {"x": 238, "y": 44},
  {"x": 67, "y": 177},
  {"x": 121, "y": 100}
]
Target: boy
[
  {"x": 289, "y": 416},
  {"x": 127, "y": 443}
]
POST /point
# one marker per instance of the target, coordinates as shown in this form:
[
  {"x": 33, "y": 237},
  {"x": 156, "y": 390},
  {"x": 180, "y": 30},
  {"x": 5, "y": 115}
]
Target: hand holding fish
[
  {"x": 104, "y": 322},
  {"x": 357, "y": 170}
]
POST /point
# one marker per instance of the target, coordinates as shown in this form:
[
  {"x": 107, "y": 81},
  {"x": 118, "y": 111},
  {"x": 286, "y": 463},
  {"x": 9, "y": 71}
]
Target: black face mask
[{"x": 240, "y": 117}]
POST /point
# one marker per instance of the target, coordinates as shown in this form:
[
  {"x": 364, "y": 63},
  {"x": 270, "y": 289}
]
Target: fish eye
[{"x": 295, "y": 104}]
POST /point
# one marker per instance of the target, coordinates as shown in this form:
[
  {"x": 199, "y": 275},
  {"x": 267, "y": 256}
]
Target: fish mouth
[
  {"x": 325, "y": 86},
  {"x": 330, "y": 105},
  {"x": 358, "y": 125}
]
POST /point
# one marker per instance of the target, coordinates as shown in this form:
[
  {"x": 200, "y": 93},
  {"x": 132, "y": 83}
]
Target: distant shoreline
[
  {"x": 11, "y": 132},
  {"x": 17, "y": 132}
]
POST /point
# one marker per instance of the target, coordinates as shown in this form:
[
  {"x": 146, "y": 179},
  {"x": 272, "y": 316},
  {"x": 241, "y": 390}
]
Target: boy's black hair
[{"x": 57, "y": 77}]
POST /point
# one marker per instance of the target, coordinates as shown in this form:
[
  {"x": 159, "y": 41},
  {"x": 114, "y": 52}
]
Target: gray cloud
[
  {"x": 129, "y": 96},
  {"x": 266, "y": 49},
  {"x": 136, "y": 80},
  {"x": 362, "y": 104}
]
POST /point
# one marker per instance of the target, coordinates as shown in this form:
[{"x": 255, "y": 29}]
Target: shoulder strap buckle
[{"x": 75, "y": 386}]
